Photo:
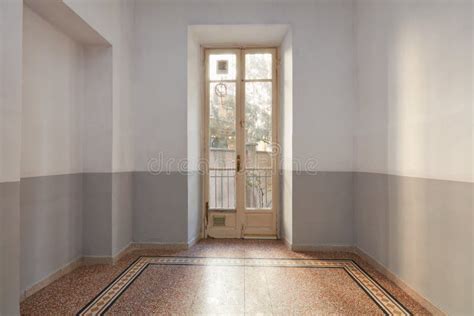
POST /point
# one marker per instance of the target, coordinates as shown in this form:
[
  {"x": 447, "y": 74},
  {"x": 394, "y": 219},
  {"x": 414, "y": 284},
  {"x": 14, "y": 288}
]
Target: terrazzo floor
[{"x": 191, "y": 289}]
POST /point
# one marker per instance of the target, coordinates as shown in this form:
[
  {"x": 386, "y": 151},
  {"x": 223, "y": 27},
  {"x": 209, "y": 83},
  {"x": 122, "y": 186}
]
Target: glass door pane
[
  {"x": 258, "y": 66},
  {"x": 222, "y": 131},
  {"x": 258, "y": 131}
]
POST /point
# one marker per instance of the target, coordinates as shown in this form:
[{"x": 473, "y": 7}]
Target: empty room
[{"x": 236, "y": 157}]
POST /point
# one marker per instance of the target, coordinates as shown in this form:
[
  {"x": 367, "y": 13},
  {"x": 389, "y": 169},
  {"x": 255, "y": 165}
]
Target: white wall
[
  {"x": 323, "y": 65},
  {"x": 123, "y": 87},
  {"x": 52, "y": 107},
  {"x": 10, "y": 89},
  {"x": 114, "y": 21},
  {"x": 286, "y": 137},
  {"x": 194, "y": 137},
  {"x": 97, "y": 123},
  {"x": 80, "y": 85},
  {"x": 415, "y": 88}
]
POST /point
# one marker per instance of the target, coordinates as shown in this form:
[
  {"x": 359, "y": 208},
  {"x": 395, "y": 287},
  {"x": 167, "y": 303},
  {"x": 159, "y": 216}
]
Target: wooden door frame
[{"x": 240, "y": 95}]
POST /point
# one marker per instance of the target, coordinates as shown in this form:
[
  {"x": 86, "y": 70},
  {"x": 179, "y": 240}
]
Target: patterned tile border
[{"x": 105, "y": 299}]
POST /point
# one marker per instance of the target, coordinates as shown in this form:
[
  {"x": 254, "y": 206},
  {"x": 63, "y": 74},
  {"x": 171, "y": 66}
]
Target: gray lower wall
[
  {"x": 194, "y": 206},
  {"x": 108, "y": 208},
  {"x": 9, "y": 248},
  {"x": 286, "y": 206},
  {"x": 97, "y": 214},
  {"x": 323, "y": 209},
  {"x": 421, "y": 230},
  {"x": 50, "y": 225},
  {"x": 122, "y": 210},
  {"x": 160, "y": 207},
  {"x": 64, "y": 217}
]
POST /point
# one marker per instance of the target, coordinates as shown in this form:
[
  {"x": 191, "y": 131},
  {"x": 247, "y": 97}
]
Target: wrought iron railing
[
  {"x": 258, "y": 183},
  {"x": 222, "y": 189}
]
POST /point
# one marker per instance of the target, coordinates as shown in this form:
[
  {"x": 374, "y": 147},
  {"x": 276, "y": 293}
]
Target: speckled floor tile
[
  {"x": 160, "y": 288},
  {"x": 329, "y": 291},
  {"x": 220, "y": 290},
  {"x": 257, "y": 292}
]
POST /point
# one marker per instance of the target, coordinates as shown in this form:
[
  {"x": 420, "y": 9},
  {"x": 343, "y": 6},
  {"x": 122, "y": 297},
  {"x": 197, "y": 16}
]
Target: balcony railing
[
  {"x": 258, "y": 188},
  {"x": 222, "y": 189}
]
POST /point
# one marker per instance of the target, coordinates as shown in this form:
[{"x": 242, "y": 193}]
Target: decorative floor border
[{"x": 105, "y": 299}]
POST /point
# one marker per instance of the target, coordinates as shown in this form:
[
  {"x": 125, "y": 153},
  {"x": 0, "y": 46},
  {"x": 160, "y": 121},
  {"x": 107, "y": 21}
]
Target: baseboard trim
[
  {"x": 69, "y": 267},
  {"x": 430, "y": 307},
  {"x": 125, "y": 250},
  {"x": 260, "y": 237},
  {"x": 287, "y": 243},
  {"x": 193, "y": 241},
  {"x": 87, "y": 260},
  {"x": 139, "y": 245},
  {"x": 159, "y": 245},
  {"x": 81, "y": 261},
  {"x": 322, "y": 248}
]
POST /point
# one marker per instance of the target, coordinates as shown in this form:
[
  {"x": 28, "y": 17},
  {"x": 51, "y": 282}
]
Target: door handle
[{"x": 238, "y": 163}]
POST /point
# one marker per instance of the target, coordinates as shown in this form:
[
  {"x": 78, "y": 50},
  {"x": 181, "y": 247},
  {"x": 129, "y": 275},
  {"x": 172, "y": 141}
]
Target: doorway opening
[{"x": 241, "y": 143}]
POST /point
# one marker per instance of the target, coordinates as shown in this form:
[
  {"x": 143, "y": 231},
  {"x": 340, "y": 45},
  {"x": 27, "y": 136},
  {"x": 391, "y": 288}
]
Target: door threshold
[{"x": 260, "y": 237}]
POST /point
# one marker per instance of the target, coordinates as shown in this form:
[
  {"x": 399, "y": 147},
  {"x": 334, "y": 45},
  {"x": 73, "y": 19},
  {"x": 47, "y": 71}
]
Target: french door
[{"x": 241, "y": 144}]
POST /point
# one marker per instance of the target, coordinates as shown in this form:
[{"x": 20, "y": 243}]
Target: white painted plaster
[
  {"x": 323, "y": 67},
  {"x": 63, "y": 18},
  {"x": 98, "y": 109},
  {"x": 286, "y": 137},
  {"x": 415, "y": 88},
  {"x": 194, "y": 137},
  {"x": 52, "y": 99},
  {"x": 10, "y": 89},
  {"x": 264, "y": 35},
  {"x": 114, "y": 21}
]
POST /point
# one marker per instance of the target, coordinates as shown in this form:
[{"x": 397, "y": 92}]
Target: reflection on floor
[{"x": 225, "y": 277}]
